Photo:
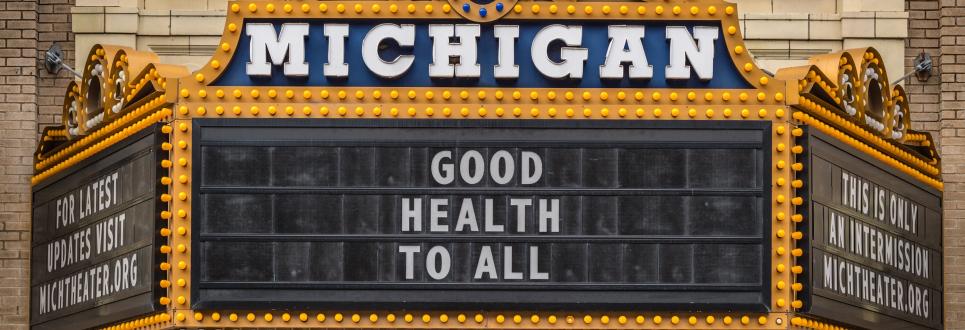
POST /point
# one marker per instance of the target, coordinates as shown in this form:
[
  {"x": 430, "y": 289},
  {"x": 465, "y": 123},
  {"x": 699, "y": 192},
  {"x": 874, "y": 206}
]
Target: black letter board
[
  {"x": 93, "y": 258},
  {"x": 875, "y": 240},
  {"x": 449, "y": 214}
]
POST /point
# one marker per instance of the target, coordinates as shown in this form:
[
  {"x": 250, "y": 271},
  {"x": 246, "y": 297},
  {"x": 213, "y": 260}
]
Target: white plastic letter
[
  {"x": 267, "y": 48},
  {"x": 436, "y": 213},
  {"x": 443, "y": 50},
  {"x": 506, "y": 36},
  {"x": 572, "y": 58},
  {"x": 442, "y": 173},
  {"x": 467, "y": 217},
  {"x": 521, "y": 204},
  {"x": 534, "y": 273},
  {"x": 509, "y": 169},
  {"x": 441, "y": 270},
  {"x": 404, "y": 35},
  {"x": 626, "y": 45},
  {"x": 683, "y": 48},
  {"x": 471, "y": 157},
  {"x": 486, "y": 264},
  {"x": 491, "y": 227},
  {"x": 530, "y": 174},
  {"x": 336, "y": 66},
  {"x": 549, "y": 213},
  {"x": 411, "y": 214},
  {"x": 409, "y": 251},
  {"x": 508, "y": 272}
]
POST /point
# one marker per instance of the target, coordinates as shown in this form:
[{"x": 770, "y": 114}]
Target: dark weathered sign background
[
  {"x": 876, "y": 241},
  {"x": 462, "y": 214},
  {"x": 94, "y": 230}
]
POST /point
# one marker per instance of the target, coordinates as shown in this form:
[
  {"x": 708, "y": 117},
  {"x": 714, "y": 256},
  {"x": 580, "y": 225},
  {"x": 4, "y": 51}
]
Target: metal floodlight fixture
[
  {"x": 54, "y": 61},
  {"x": 922, "y": 70}
]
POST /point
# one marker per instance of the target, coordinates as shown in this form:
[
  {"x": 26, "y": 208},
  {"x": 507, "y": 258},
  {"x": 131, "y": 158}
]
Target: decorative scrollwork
[
  {"x": 71, "y": 113},
  {"x": 875, "y": 92},
  {"x": 850, "y": 90},
  {"x": 127, "y": 64},
  {"x": 117, "y": 84},
  {"x": 859, "y": 91},
  {"x": 900, "y": 121},
  {"x": 93, "y": 86},
  {"x": 848, "y": 83}
]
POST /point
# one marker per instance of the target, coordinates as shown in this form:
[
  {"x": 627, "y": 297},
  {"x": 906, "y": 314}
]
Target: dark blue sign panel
[{"x": 595, "y": 39}]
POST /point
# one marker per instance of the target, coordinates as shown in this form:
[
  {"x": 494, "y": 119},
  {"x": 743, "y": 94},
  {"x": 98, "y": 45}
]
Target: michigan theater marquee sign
[{"x": 485, "y": 164}]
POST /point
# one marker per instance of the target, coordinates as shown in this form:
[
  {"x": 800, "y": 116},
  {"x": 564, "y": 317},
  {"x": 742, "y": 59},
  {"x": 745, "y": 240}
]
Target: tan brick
[
  {"x": 858, "y": 25},
  {"x": 161, "y": 44},
  {"x": 97, "y": 3},
  {"x": 809, "y": 48},
  {"x": 87, "y": 20},
  {"x": 823, "y": 27},
  {"x": 891, "y": 25},
  {"x": 784, "y": 26},
  {"x": 812, "y": 6},
  {"x": 196, "y": 25},
  {"x": 156, "y": 23},
  {"x": 217, "y": 5},
  {"x": 121, "y": 20},
  {"x": 175, "y": 4},
  {"x": 754, "y": 6}
]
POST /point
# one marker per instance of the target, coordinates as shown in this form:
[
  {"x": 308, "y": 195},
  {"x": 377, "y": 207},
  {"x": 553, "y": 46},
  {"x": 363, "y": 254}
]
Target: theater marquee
[{"x": 490, "y": 164}]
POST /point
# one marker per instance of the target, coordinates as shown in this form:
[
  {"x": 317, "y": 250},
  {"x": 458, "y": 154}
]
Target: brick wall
[
  {"x": 30, "y": 99},
  {"x": 952, "y": 128},
  {"x": 923, "y": 33},
  {"x": 53, "y": 25},
  {"x": 18, "y": 124}
]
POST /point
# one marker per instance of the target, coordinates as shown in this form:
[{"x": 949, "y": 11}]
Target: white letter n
[{"x": 683, "y": 48}]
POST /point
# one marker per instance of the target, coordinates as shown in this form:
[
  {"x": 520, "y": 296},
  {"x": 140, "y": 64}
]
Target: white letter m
[{"x": 265, "y": 46}]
